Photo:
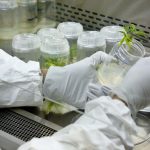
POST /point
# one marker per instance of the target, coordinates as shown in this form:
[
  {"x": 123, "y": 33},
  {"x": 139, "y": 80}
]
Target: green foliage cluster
[
  {"x": 60, "y": 61},
  {"x": 130, "y": 32}
]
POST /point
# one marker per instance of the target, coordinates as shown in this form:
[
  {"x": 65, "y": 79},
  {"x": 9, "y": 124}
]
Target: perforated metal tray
[{"x": 22, "y": 124}]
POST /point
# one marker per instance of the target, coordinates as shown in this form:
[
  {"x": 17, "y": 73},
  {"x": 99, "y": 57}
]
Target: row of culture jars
[
  {"x": 18, "y": 16},
  {"x": 55, "y": 51}
]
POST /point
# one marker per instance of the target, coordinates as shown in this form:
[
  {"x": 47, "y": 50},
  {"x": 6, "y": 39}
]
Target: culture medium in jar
[
  {"x": 71, "y": 31},
  {"x": 111, "y": 74},
  {"x": 26, "y": 47},
  {"x": 112, "y": 36},
  {"x": 88, "y": 43},
  {"x": 54, "y": 52}
]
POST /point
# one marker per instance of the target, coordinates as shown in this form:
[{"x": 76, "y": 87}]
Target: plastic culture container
[
  {"x": 111, "y": 35},
  {"x": 111, "y": 74},
  {"x": 27, "y": 15},
  {"x": 54, "y": 52},
  {"x": 26, "y": 47},
  {"x": 71, "y": 31},
  {"x": 8, "y": 23},
  {"x": 49, "y": 32},
  {"x": 46, "y": 13},
  {"x": 88, "y": 43}
]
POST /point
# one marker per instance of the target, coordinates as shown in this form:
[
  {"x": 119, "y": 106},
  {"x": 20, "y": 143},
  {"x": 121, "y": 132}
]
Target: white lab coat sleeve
[
  {"x": 20, "y": 82},
  {"x": 106, "y": 125}
]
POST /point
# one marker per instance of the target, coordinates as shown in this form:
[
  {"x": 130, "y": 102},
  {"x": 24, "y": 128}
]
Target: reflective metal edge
[
  {"x": 9, "y": 142},
  {"x": 37, "y": 119}
]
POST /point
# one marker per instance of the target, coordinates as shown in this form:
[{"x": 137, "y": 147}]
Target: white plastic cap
[
  {"x": 91, "y": 39},
  {"x": 112, "y": 32},
  {"x": 55, "y": 46},
  {"x": 49, "y": 32},
  {"x": 25, "y": 42},
  {"x": 7, "y": 4},
  {"x": 71, "y": 30}
]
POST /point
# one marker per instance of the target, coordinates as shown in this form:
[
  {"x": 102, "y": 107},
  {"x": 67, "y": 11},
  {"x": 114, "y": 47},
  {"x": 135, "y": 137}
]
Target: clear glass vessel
[
  {"x": 46, "y": 13},
  {"x": 26, "y": 47},
  {"x": 88, "y": 43},
  {"x": 112, "y": 35},
  {"x": 54, "y": 52},
  {"x": 8, "y": 23},
  {"x": 71, "y": 31},
  {"x": 27, "y": 15},
  {"x": 111, "y": 74}
]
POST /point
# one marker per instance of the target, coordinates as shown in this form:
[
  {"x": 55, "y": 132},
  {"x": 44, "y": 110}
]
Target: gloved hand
[
  {"x": 135, "y": 88},
  {"x": 69, "y": 84}
]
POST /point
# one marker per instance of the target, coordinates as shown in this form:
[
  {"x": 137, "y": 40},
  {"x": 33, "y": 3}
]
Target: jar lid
[
  {"x": 49, "y": 32},
  {"x": 112, "y": 32},
  {"x": 91, "y": 39},
  {"x": 71, "y": 30},
  {"x": 25, "y": 42},
  {"x": 54, "y": 45},
  {"x": 7, "y": 4}
]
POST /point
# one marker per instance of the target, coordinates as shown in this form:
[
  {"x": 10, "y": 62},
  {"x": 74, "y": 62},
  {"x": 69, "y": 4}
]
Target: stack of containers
[
  {"x": 71, "y": 31},
  {"x": 27, "y": 15},
  {"x": 46, "y": 13},
  {"x": 8, "y": 23},
  {"x": 26, "y": 47},
  {"x": 112, "y": 35},
  {"x": 88, "y": 43},
  {"x": 54, "y": 48}
]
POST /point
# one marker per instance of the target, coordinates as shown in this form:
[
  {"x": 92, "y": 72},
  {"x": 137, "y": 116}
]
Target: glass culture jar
[
  {"x": 71, "y": 31},
  {"x": 8, "y": 23},
  {"x": 46, "y": 13},
  {"x": 112, "y": 36},
  {"x": 26, "y": 47},
  {"x": 54, "y": 52},
  {"x": 49, "y": 32},
  {"x": 111, "y": 74},
  {"x": 27, "y": 15},
  {"x": 88, "y": 43}
]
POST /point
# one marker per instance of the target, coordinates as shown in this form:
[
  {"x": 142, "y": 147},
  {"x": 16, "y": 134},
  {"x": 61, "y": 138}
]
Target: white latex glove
[
  {"x": 69, "y": 84},
  {"x": 135, "y": 88},
  {"x": 20, "y": 82}
]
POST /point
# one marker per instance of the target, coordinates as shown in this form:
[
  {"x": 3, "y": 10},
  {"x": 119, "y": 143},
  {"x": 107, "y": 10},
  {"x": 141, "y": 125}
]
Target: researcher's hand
[
  {"x": 135, "y": 88},
  {"x": 69, "y": 84}
]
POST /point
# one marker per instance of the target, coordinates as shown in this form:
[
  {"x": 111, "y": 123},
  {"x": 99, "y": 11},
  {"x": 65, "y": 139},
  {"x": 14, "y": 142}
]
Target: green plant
[
  {"x": 60, "y": 61},
  {"x": 130, "y": 32}
]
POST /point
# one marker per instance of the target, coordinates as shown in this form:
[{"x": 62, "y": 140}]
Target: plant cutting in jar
[{"x": 130, "y": 32}]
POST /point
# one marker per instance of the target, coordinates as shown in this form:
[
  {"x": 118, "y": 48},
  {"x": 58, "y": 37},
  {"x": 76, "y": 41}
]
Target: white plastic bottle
[
  {"x": 71, "y": 31},
  {"x": 54, "y": 52},
  {"x": 88, "y": 43},
  {"x": 26, "y": 47},
  {"x": 112, "y": 35}
]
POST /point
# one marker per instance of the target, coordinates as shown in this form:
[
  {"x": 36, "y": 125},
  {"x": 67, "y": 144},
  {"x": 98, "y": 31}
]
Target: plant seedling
[{"x": 130, "y": 32}]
